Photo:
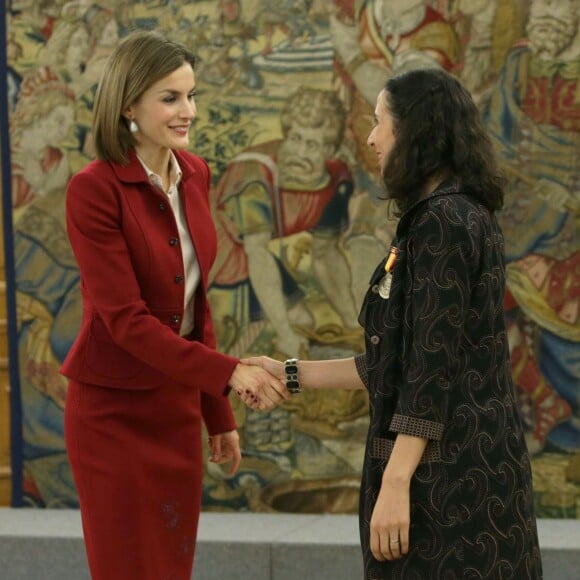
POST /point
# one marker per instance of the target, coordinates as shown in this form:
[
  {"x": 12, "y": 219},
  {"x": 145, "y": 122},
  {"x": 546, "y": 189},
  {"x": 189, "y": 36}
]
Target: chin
[
  {"x": 300, "y": 182},
  {"x": 180, "y": 144}
]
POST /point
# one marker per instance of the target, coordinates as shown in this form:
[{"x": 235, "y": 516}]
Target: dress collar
[{"x": 446, "y": 187}]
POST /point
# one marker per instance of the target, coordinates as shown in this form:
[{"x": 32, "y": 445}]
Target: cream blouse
[{"x": 190, "y": 263}]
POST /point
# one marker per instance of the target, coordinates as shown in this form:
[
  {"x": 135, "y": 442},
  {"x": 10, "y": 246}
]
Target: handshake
[{"x": 260, "y": 382}]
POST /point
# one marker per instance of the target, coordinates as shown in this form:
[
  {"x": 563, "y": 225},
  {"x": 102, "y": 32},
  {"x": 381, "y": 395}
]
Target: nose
[
  {"x": 301, "y": 149},
  {"x": 371, "y": 138},
  {"x": 189, "y": 109}
]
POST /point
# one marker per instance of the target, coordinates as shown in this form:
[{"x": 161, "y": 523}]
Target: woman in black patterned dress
[{"x": 446, "y": 490}]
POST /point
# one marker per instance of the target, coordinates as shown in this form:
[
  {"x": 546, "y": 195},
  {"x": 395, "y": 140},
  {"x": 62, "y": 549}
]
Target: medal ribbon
[{"x": 390, "y": 263}]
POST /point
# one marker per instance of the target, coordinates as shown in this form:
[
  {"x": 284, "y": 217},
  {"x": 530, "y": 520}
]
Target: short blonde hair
[{"x": 140, "y": 60}]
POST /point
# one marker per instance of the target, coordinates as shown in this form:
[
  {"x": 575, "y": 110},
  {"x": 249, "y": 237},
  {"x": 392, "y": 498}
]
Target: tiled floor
[{"x": 47, "y": 545}]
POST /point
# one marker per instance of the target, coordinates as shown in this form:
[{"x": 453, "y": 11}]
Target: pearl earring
[{"x": 133, "y": 127}]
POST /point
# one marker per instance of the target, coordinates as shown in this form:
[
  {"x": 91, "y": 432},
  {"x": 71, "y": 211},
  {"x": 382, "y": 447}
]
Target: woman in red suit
[{"x": 143, "y": 370}]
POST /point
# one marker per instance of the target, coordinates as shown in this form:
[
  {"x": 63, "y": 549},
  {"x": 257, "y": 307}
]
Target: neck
[
  {"x": 434, "y": 182},
  {"x": 30, "y": 142},
  {"x": 157, "y": 161},
  {"x": 288, "y": 182}
]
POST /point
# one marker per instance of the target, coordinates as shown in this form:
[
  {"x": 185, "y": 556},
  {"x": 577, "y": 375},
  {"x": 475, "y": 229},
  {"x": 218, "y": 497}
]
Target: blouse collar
[{"x": 175, "y": 174}]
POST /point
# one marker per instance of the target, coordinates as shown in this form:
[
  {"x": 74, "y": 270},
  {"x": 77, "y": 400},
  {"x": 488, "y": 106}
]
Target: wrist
[
  {"x": 235, "y": 377},
  {"x": 354, "y": 63},
  {"x": 397, "y": 479}
]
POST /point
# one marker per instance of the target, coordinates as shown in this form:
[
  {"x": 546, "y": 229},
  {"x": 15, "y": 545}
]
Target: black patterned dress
[{"x": 437, "y": 366}]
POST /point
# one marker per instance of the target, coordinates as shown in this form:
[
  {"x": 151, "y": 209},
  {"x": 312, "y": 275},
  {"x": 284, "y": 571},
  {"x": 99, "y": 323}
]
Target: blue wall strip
[{"x": 15, "y": 402}]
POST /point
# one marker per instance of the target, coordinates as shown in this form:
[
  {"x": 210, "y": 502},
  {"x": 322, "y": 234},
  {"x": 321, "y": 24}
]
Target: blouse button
[
  {"x": 375, "y": 289},
  {"x": 178, "y": 279},
  {"x": 175, "y": 318},
  {"x": 162, "y": 207},
  {"x": 173, "y": 241},
  {"x": 375, "y": 339}
]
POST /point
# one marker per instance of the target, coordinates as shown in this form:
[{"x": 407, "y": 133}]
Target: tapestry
[{"x": 286, "y": 95}]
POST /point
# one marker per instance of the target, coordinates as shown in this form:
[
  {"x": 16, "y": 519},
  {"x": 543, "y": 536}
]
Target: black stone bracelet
[{"x": 291, "y": 370}]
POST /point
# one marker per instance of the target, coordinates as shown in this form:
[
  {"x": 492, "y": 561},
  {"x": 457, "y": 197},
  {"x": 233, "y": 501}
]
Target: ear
[
  {"x": 128, "y": 113},
  {"x": 329, "y": 151}
]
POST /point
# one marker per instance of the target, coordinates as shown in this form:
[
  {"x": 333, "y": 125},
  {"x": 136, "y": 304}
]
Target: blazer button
[
  {"x": 375, "y": 289},
  {"x": 178, "y": 279},
  {"x": 375, "y": 339},
  {"x": 175, "y": 318},
  {"x": 173, "y": 241},
  {"x": 162, "y": 207}
]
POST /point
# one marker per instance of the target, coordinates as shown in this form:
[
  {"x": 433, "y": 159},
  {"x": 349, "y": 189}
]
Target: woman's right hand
[
  {"x": 274, "y": 367},
  {"x": 390, "y": 521},
  {"x": 257, "y": 387}
]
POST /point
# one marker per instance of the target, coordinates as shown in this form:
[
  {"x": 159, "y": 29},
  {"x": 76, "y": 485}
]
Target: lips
[
  {"x": 181, "y": 130},
  {"x": 293, "y": 163}
]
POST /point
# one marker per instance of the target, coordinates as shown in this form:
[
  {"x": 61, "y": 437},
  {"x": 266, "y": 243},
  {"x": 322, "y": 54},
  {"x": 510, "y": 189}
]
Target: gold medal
[{"x": 385, "y": 285}]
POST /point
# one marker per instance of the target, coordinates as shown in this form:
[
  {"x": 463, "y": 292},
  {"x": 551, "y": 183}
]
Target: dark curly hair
[{"x": 438, "y": 133}]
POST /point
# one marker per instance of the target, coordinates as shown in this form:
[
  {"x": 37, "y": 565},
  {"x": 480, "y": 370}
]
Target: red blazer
[{"x": 125, "y": 239}]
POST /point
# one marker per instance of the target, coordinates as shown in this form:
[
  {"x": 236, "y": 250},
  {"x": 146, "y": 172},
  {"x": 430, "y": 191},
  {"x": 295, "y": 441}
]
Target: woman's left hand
[
  {"x": 225, "y": 447},
  {"x": 390, "y": 522}
]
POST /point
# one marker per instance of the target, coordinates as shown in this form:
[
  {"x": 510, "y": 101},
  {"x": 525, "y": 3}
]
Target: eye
[
  {"x": 192, "y": 95},
  {"x": 170, "y": 99}
]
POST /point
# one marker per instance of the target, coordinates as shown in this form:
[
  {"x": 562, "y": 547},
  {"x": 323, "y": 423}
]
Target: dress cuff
[{"x": 416, "y": 427}]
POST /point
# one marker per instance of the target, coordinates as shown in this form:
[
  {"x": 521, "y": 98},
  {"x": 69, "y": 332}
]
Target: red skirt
[{"x": 136, "y": 459}]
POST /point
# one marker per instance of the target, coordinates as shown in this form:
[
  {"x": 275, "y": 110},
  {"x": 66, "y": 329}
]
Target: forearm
[
  {"x": 329, "y": 374},
  {"x": 391, "y": 518},
  {"x": 405, "y": 457},
  {"x": 333, "y": 274},
  {"x": 266, "y": 280},
  {"x": 315, "y": 374}
]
